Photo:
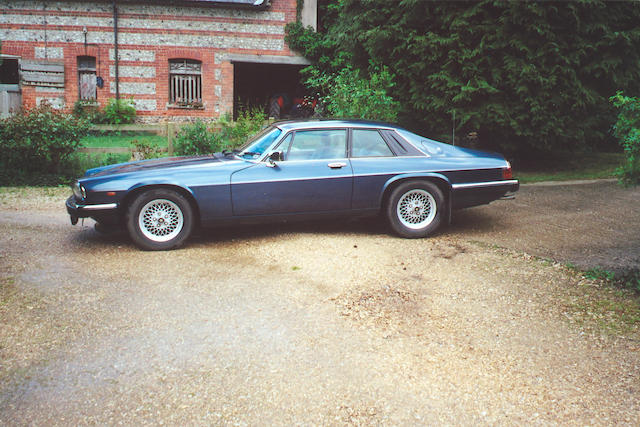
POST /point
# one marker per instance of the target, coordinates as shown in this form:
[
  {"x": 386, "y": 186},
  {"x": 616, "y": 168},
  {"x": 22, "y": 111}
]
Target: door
[{"x": 315, "y": 176}]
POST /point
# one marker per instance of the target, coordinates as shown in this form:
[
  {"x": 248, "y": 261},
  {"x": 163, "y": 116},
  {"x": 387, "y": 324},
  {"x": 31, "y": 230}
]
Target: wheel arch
[
  {"x": 439, "y": 180},
  {"x": 138, "y": 189}
]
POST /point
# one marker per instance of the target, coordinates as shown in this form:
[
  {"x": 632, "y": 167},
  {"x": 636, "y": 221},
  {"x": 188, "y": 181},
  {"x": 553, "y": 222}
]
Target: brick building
[{"x": 176, "y": 60}]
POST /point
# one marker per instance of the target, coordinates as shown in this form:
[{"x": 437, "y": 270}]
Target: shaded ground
[
  {"x": 337, "y": 323},
  {"x": 596, "y": 224}
]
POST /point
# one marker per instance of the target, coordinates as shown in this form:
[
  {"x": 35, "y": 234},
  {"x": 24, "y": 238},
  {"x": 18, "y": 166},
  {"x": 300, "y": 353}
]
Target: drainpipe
[{"x": 115, "y": 49}]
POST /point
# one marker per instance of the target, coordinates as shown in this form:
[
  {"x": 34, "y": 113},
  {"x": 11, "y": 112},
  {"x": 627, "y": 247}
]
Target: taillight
[{"x": 506, "y": 172}]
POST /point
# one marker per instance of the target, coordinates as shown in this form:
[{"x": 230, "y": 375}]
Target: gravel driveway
[{"x": 336, "y": 323}]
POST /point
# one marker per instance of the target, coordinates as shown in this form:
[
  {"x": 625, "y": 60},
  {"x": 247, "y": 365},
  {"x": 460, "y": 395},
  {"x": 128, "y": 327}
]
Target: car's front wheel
[
  {"x": 159, "y": 219},
  {"x": 415, "y": 209}
]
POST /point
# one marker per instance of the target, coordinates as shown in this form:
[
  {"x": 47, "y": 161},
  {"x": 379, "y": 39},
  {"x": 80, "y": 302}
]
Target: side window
[
  {"x": 318, "y": 145},
  {"x": 369, "y": 143}
]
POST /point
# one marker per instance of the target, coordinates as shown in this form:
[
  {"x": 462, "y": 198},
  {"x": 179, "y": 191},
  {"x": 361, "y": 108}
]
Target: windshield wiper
[{"x": 237, "y": 152}]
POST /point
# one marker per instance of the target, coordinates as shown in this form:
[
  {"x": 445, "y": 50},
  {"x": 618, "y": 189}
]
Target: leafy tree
[
  {"x": 627, "y": 130},
  {"x": 347, "y": 94},
  {"x": 527, "y": 76},
  {"x": 363, "y": 93}
]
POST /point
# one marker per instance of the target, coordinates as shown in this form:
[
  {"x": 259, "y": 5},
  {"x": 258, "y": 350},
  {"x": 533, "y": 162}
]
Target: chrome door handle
[{"x": 337, "y": 165}]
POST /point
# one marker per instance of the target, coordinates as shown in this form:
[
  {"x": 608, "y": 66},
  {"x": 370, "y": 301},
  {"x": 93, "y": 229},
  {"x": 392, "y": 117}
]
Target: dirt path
[{"x": 302, "y": 324}]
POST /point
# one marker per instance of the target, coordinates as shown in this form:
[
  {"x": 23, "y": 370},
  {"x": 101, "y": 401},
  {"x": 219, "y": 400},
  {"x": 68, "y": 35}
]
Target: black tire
[
  {"x": 159, "y": 220},
  {"x": 415, "y": 209}
]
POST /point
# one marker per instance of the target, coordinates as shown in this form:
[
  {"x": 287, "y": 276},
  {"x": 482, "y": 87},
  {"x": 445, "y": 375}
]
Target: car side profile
[{"x": 294, "y": 170}]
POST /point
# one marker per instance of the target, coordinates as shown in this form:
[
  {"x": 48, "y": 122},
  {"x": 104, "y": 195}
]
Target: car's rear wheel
[
  {"x": 415, "y": 209},
  {"x": 159, "y": 219}
]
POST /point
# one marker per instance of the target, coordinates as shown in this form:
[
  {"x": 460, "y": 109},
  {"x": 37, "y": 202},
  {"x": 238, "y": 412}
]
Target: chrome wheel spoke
[
  {"x": 416, "y": 209},
  {"x": 160, "y": 220}
]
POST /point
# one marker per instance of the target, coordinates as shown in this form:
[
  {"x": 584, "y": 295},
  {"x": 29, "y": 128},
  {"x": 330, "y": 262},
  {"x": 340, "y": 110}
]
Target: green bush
[
  {"x": 78, "y": 163},
  {"x": 38, "y": 142},
  {"x": 88, "y": 110},
  {"x": 203, "y": 138},
  {"x": 198, "y": 138},
  {"x": 144, "y": 149},
  {"x": 249, "y": 123},
  {"x": 349, "y": 95},
  {"x": 627, "y": 130},
  {"x": 119, "y": 111}
]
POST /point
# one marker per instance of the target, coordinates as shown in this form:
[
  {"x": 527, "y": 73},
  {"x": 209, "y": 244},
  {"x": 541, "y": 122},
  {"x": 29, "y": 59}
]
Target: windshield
[{"x": 256, "y": 146}]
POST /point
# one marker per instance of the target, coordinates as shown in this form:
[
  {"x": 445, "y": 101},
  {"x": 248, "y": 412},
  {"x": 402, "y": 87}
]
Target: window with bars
[
  {"x": 185, "y": 83},
  {"x": 87, "y": 78}
]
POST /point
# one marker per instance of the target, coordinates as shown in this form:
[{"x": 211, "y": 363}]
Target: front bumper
[{"x": 76, "y": 210}]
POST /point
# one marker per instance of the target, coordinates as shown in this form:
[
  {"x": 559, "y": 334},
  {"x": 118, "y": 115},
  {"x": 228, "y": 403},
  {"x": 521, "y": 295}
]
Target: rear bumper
[
  {"x": 480, "y": 193},
  {"x": 76, "y": 210},
  {"x": 510, "y": 185}
]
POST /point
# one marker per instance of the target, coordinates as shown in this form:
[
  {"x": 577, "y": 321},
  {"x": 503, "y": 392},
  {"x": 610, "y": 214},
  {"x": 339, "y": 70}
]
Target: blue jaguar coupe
[{"x": 294, "y": 170}]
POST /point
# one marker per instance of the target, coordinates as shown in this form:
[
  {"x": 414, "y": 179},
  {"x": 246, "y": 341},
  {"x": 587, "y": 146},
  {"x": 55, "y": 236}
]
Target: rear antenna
[{"x": 453, "y": 129}]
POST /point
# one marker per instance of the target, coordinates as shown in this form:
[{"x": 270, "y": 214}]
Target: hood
[{"x": 155, "y": 164}]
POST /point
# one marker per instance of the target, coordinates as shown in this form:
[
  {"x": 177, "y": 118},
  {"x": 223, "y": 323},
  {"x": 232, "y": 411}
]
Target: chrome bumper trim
[
  {"x": 98, "y": 207},
  {"x": 484, "y": 184}
]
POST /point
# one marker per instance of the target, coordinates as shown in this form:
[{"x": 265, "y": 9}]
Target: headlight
[{"x": 79, "y": 191}]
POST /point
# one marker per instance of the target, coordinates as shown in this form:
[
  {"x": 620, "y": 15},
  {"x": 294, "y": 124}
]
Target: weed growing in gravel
[
  {"x": 599, "y": 274},
  {"x": 629, "y": 280},
  {"x": 595, "y": 298},
  {"x": 612, "y": 311},
  {"x": 7, "y": 290}
]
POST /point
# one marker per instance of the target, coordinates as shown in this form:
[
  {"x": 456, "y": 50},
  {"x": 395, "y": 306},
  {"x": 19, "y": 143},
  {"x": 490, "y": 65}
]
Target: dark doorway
[{"x": 255, "y": 84}]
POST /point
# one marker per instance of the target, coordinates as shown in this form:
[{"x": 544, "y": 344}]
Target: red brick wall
[{"x": 160, "y": 32}]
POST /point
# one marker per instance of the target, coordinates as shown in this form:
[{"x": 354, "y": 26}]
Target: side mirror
[{"x": 274, "y": 156}]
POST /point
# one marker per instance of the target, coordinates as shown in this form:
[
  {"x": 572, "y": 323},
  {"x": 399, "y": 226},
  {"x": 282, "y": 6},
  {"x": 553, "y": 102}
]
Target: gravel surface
[
  {"x": 333, "y": 323},
  {"x": 593, "y": 224}
]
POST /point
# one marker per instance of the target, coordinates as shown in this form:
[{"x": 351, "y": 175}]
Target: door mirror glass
[
  {"x": 276, "y": 156},
  {"x": 273, "y": 157}
]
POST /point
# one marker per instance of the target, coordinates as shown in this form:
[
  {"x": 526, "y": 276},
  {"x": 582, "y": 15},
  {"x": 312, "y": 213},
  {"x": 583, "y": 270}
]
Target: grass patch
[
  {"x": 7, "y": 290},
  {"x": 611, "y": 310},
  {"x": 595, "y": 299},
  {"x": 121, "y": 139},
  {"x": 570, "y": 166},
  {"x": 608, "y": 300}
]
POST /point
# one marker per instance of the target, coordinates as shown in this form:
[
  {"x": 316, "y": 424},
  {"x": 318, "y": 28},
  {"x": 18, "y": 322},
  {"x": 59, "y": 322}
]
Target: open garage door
[
  {"x": 256, "y": 84},
  {"x": 10, "y": 96}
]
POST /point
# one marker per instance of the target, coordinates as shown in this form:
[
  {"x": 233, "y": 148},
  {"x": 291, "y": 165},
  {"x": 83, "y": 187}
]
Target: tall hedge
[{"x": 526, "y": 76}]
